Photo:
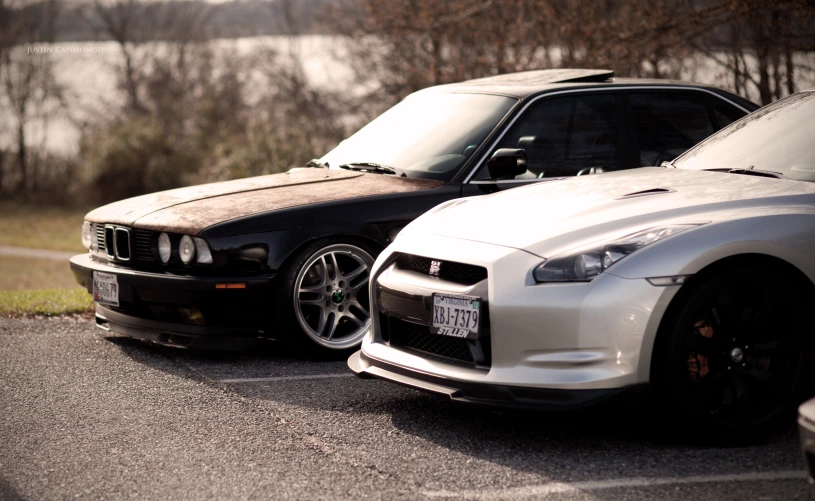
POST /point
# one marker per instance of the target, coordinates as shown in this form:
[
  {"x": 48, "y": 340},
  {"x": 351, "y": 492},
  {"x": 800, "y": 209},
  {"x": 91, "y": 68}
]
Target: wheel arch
[
  {"x": 368, "y": 243},
  {"x": 714, "y": 268}
]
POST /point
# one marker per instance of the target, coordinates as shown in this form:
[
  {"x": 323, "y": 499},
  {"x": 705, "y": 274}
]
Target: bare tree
[
  {"x": 408, "y": 44},
  {"x": 136, "y": 26},
  {"x": 27, "y": 78},
  {"x": 758, "y": 47}
]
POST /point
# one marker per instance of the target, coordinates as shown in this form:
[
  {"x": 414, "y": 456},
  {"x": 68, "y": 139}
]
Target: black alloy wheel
[{"x": 733, "y": 365}]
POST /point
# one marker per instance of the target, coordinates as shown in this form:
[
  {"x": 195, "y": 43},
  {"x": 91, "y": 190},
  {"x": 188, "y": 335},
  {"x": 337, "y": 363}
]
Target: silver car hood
[{"x": 548, "y": 217}]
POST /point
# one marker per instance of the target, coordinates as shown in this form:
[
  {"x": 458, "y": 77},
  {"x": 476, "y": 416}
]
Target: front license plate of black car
[
  {"x": 105, "y": 288},
  {"x": 456, "y": 316}
]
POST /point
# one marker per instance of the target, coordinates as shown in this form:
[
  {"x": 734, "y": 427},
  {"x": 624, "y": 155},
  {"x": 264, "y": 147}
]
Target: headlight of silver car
[
  {"x": 87, "y": 239},
  {"x": 585, "y": 264}
]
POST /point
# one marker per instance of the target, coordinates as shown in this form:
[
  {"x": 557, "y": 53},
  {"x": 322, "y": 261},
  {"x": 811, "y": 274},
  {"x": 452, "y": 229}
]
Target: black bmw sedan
[{"x": 288, "y": 255}]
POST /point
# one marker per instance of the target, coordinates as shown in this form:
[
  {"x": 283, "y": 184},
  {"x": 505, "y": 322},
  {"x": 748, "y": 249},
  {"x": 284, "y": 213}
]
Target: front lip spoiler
[
  {"x": 486, "y": 394},
  {"x": 178, "y": 335}
]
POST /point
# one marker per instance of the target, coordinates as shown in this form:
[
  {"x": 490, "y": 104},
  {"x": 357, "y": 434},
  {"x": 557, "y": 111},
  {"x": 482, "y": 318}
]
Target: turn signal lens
[
  {"x": 86, "y": 235},
  {"x": 186, "y": 249},
  {"x": 165, "y": 249},
  {"x": 231, "y": 286},
  {"x": 202, "y": 250}
]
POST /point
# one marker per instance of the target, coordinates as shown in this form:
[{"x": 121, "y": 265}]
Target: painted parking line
[
  {"x": 539, "y": 491},
  {"x": 284, "y": 378}
]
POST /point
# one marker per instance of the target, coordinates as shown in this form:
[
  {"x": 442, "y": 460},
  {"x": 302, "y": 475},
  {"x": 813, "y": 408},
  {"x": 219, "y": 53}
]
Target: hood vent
[{"x": 645, "y": 193}]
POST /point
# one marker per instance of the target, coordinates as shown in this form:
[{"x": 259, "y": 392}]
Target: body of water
[{"x": 87, "y": 71}]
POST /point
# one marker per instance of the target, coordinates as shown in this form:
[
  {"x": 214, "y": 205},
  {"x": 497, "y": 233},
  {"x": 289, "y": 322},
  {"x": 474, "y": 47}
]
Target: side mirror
[{"x": 507, "y": 163}]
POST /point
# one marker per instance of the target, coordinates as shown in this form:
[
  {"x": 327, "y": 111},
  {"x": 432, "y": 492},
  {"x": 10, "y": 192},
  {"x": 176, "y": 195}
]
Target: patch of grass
[
  {"x": 40, "y": 287},
  {"x": 45, "y": 302},
  {"x": 17, "y": 273},
  {"x": 28, "y": 225}
]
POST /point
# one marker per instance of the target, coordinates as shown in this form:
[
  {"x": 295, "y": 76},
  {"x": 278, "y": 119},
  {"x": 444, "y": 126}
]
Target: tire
[
  {"x": 730, "y": 358},
  {"x": 325, "y": 304}
]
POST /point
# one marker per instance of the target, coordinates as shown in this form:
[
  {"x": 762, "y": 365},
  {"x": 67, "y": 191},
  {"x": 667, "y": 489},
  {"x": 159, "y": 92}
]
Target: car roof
[{"x": 527, "y": 83}]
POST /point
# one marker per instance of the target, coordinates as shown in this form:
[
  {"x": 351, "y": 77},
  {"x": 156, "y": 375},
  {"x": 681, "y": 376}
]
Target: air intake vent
[
  {"x": 418, "y": 340},
  {"x": 645, "y": 193},
  {"x": 100, "y": 236},
  {"x": 460, "y": 273},
  {"x": 143, "y": 245}
]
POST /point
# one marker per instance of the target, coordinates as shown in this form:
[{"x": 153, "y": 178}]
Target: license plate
[
  {"x": 456, "y": 316},
  {"x": 105, "y": 288}
]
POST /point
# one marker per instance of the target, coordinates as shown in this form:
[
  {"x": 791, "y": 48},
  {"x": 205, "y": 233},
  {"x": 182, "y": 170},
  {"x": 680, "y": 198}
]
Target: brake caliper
[{"x": 698, "y": 367}]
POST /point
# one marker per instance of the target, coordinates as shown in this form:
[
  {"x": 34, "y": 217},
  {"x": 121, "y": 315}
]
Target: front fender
[
  {"x": 788, "y": 236},
  {"x": 283, "y": 232}
]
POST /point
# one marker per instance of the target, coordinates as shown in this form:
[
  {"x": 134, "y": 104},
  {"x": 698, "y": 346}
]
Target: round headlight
[
  {"x": 87, "y": 241},
  {"x": 165, "y": 249},
  {"x": 186, "y": 249}
]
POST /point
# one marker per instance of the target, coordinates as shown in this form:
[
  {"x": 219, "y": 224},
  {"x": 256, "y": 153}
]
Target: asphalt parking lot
[{"x": 88, "y": 415}]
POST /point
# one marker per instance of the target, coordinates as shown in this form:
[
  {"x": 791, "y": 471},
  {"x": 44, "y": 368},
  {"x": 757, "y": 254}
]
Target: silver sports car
[{"x": 695, "y": 277}]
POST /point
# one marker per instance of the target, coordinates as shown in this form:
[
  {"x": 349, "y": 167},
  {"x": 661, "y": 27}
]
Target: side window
[
  {"x": 667, "y": 124},
  {"x": 726, "y": 115},
  {"x": 562, "y": 136}
]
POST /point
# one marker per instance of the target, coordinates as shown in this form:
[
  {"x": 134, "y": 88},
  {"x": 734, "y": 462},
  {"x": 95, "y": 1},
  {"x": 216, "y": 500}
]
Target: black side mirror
[{"x": 507, "y": 163}]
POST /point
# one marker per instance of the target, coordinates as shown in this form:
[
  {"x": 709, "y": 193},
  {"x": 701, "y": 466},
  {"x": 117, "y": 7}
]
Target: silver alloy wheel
[{"x": 331, "y": 298}]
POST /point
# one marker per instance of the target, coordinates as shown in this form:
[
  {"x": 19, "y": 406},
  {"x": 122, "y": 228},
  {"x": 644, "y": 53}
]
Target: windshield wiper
[
  {"x": 373, "y": 167},
  {"x": 750, "y": 171},
  {"x": 317, "y": 164}
]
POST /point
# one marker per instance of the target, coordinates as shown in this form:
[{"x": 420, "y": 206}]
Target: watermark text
[{"x": 59, "y": 49}]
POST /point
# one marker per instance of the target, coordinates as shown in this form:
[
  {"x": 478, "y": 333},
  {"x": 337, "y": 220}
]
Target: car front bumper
[
  {"x": 546, "y": 339},
  {"x": 181, "y": 310}
]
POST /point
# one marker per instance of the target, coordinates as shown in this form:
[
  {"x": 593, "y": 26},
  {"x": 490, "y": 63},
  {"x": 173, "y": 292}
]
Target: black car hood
[{"x": 190, "y": 210}]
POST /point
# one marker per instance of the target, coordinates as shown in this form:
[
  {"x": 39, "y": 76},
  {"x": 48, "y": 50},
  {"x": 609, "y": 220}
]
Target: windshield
[
  {"x": 427, "y": 135},
  {"x": 777, "y": 139}
]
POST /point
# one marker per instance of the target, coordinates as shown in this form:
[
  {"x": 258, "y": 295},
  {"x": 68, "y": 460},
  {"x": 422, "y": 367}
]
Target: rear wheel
[
  {"x": 326, "y": 294},
  {"x": 732, "y": 363}
]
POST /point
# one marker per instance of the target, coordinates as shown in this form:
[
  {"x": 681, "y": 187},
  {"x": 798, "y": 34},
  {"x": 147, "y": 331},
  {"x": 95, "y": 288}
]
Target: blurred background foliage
[{"x": 190, "y": 106}]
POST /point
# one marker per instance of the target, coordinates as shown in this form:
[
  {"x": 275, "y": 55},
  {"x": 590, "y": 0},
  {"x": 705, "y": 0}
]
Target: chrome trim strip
[
  {"x": 614, "y": 88},
  {"x": 110, "y": 250},
  {"x": 518, "y": 181},
  {"x": 117, "y": 229}
]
